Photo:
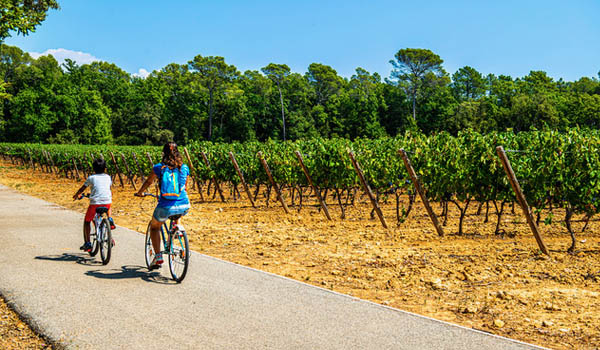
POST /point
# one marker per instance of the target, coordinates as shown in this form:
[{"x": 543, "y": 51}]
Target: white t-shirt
[{"x": 100, "y": 188}]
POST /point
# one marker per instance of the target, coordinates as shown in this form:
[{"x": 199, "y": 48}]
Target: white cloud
[
  {"x": 142, "y": 73},
  {"x": 80, "y": 58},
  {"x": 62, "y": 54}
]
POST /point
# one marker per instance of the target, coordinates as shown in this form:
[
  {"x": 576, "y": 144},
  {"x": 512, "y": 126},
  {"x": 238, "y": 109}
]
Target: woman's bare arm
[{"x": 147, "y": 183}]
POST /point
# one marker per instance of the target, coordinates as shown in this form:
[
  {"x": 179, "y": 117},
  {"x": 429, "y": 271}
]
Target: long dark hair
[{"x": 171, "y": 156}]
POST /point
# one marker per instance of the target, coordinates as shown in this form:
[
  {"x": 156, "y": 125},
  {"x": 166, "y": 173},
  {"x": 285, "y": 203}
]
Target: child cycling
[
  {"x": 172, "y": 176},
  {"x": 100, "y": 196}
]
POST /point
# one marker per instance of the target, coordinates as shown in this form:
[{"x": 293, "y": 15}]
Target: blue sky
[{"x": 500, "y": 37}]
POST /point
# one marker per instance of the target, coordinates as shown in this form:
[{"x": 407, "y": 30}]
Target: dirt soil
[
  {"x": 16, "y": 334},
  {"x": 497, "y": 284}
]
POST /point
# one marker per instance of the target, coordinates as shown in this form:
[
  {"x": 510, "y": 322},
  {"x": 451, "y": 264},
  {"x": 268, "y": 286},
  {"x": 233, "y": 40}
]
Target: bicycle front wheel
[
  {"x": 94, "y": 241},
  {"x": 105, "y": 241},
  {"x": 148, "y": 250},
  {"x": 179, "y": 255}
]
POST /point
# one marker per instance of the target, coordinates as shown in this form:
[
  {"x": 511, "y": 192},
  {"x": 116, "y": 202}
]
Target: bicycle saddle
[{"x": 101, "y": 210}]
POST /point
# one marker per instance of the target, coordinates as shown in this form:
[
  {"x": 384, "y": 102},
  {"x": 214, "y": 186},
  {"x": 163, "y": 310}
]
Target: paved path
[{"x": 79, "y": 303}]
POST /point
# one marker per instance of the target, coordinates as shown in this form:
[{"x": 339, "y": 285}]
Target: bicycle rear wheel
[
  {"x": 179, "y": 255},
  {"x": 105, "y": 241}
]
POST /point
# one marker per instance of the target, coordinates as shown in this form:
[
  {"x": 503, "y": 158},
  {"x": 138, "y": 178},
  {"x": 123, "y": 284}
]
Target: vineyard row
[{"x": 553, "y": 169}]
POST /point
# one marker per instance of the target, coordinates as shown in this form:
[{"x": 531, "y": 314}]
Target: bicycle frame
[
  {"x": 169, "y": 231},
  {"x": 97, "y": 222}
]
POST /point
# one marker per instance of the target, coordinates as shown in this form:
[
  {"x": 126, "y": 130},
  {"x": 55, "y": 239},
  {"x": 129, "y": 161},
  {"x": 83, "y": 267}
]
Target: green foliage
[
  {"x": 561, "y": 168},
  {"x": 23, "y": 15},
  {"x": 468, "y": 84},
  {"x": 208, "y": 99},
  {"x": 414, "y": 69}
]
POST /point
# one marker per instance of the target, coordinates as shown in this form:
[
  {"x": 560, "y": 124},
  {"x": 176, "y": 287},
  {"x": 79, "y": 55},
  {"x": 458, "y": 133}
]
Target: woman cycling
[{"x": 172, "y": 176}]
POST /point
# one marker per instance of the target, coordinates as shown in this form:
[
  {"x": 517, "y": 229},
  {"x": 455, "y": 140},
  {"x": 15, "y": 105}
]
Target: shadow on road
[
  {"x": 131, "y": 271},
  {"x": 82, "y": 258},
  {"x": 126, "y": 271}
]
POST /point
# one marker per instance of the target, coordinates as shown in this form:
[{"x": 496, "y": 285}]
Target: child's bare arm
[{"x": 79, "y": 192}]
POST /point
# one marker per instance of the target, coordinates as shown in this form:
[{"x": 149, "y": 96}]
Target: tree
[
  {"x": 214, "y": 74},
  {"x": 258, "y": 90},
  {"x": 111, "y": 82},
  {"x": 362, "y": 104},
  {"x": 586, "y": 85},
  {"x": 395, "y": 112},
  {"x": 32, "y": 111},
  {"x": 277, "y": 73},
  {"x": 300, "y": 122},
  {"x": 468, "y": 84},
  {"x": 327, "y": 85},
  {"x": 182, "y": 100},
  {"x": 23, "y": 15},
  {"x": 411, "y": 67}
]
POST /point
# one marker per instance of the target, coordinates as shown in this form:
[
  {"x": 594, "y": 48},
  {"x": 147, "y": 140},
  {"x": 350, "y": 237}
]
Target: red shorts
[{"x": 89, "y": 214}]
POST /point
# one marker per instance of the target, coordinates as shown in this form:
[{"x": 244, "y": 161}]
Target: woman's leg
[{"x": 155, "y": 234}]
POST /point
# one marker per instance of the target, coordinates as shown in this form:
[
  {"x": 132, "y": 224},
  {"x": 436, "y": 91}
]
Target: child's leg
[
  {"x": 86, "y": 231},
  {"x": 89, "y": 215},
  {"x": 110, "y": 218}
]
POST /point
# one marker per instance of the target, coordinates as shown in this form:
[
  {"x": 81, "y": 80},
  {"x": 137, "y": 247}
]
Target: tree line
[{"x": 209, "y": 99}]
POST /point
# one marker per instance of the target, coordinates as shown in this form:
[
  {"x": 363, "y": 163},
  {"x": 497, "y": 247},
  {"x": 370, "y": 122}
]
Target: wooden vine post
[
  {"x": 44, "y": 161},
  {"x": 191, "y": 166},
  {"x": 31, "y": 159},
  {"x": 129, "y": 174},
  {"x": 49, "y": 162},
  {"x": 81, "y": 166},
  {"x": 214, "y": 178},
  {"x": 75, "y": 167},
  {"x": 24, "y": 160},
  {"x": 421, "y": 191},
  {"x": 367, "y": 189},
  {"x": 151, "y": 162},
  {"x": 521, "y": 199},
  {"x": 140, "y": 172},
  {"x": 53, "y": 168},
  {"x": 241, "y": 175},
  {"x": 270, "y": 176},
  {"x": 112, "y": 156},
  {"x": 66, "y": 167},
  {"x": 310, "y": 182},
  {"x": 90, "y": 158}
]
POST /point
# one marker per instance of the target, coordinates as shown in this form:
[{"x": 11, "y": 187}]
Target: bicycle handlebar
[{"x": 146, "y": 194}]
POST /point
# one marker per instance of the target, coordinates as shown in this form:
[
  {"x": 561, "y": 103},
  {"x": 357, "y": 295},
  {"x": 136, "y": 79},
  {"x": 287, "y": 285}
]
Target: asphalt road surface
[{"x": 79, "y": 304}]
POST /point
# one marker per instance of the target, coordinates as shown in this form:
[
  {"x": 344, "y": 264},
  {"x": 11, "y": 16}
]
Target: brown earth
[
  {"x": 15, "y": 334},
  {"x": 492, "y": 283}
]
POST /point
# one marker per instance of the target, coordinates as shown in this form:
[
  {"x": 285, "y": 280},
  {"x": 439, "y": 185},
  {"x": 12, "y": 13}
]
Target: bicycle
[
  {"x": 101, "y": 236},
  {"x": 175, "y": 246}
]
